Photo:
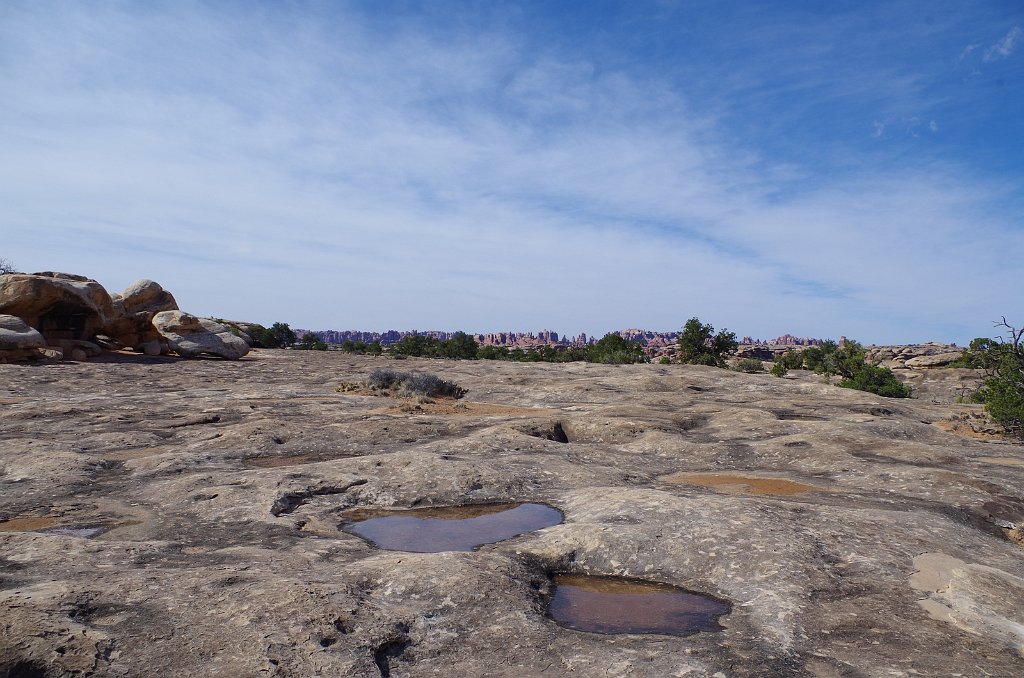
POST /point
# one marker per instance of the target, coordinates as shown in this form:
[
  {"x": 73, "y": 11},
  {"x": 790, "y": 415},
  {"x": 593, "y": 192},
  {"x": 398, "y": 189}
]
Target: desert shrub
[
  {"x": 779, "y": 369},
  {"x": 493, "y": 353},
  {"x": 664, "y": 360},
  {"x": 409, "y": 383},
  {"x": 384, "y": 379},
  {"x": 311, "y": 342},
  {"x": 878, "y": 380},
  {"x": 416, "y": 346},
  {"x": 279, "y": 335},
  {"x": 829, "y": 358},
  {"x": 614, "y": 350},
  {"x": 749, "y": 365},
  {"x": 1002, "y": 392},
  {"x": 7, "y": 266},
  {"x": 791, "y": 360},
  {"x": 848, "y": 362},
  {"x": 460, "y": 346},
  {"x": 699, "y": 346},
  {"x": 361, "y": 347}
]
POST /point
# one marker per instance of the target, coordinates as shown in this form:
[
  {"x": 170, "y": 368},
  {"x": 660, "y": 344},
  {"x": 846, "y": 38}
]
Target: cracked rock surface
[{"x": 183, "y": 518}]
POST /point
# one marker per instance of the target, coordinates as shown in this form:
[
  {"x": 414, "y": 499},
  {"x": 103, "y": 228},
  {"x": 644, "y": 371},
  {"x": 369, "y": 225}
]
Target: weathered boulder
[
  {"x": 190, "y": 336},
  {"x": 58, "y": 305},
  {"x": 135, "y": 308},
  {"x": 147, "y": 297},
  {"x": 937, "y": 360},
  {"x": 16, "y": 334}
]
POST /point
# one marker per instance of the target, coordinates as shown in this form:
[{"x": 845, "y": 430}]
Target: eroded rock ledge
[{"x": 187, "y": 520}]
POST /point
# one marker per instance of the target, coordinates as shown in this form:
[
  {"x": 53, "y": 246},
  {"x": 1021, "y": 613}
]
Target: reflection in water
[
  {"x": 613, "y": 605},
  {"x": 449, "y": 528}
]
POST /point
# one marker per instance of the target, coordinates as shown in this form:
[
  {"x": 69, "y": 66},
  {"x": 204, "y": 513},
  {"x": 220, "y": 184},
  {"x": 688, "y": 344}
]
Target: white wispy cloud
[
  {"x": 328, "y": 173},
  {"x": 1005, "y": 46}
]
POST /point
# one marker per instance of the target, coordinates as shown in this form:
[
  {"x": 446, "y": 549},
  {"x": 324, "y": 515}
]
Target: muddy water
[
  {"x": 615, "y": 605},
  {"x": 449, "y": 528}
]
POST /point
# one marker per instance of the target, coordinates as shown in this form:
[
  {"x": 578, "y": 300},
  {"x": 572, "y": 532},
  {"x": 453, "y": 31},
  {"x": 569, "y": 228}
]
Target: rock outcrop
[
  {"x": 74, "y": 316},
  {"x": 190, "y": 336},
  {"x": 58, "y": 305},
  {"x": 135, "y": 307}
]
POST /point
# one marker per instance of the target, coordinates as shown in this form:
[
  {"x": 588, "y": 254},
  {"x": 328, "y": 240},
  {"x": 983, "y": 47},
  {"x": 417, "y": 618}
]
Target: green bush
[
  {"x": 614, "y": 350},
  {"x": 664, "y": 360},
  {"x": 1002, "y": 392},
  {"x": 848, "y": 361},
  {"x": 791, "y": 360},
  {"x": 749, "y": 365},
  {"x": 878, "y": 380},
  {"x": 460, "y": 346},
  {"x": 361, "y": 348},
  {"x": 311, "y": 342},
  {"x": 278, "y": 336},
  {"x": 699, "y": 346},
  {"x": 779, "y": 369}
]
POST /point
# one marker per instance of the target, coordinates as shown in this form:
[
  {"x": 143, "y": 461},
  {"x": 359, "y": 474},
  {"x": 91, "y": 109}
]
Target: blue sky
[{"x": 825, "y": 169}]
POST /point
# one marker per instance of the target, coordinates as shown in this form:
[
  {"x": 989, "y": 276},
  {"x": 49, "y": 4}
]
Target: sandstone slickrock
[
  {"x": 190, "y": 336},
  {"x": 185, "y": 519},
  {"x": 936, "y": 360}
]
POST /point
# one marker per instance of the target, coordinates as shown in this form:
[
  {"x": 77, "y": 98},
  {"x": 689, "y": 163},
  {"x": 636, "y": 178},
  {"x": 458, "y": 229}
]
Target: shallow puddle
[
  {"x": 731, "y": 483},
  {"x": 615, "y": 605},
  {"x": 449, "y": 528},
  {"x": 81, "y": 532}
]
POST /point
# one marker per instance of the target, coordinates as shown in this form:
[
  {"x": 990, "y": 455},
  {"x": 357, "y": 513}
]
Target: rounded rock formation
[{"x": 190, "y": 336}]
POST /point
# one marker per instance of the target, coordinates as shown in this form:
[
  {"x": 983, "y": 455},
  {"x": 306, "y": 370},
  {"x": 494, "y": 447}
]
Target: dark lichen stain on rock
[
  {"x": 448, "y": 528},
  {"x": 619, "y": 605}
]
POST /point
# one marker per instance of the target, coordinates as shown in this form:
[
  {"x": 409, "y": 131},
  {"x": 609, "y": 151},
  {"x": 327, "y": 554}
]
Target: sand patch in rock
[
  {"x": 28, "y": 523},
  {"x": 740, "y": 484}
]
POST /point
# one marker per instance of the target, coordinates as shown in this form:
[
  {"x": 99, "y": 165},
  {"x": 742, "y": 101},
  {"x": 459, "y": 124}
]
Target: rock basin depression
[{"x": 188, "y": 518}]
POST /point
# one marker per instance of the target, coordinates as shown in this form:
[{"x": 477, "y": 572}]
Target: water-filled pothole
[
  {"x": 448, "y": 528},
  {"x": 618, "y": 605}
]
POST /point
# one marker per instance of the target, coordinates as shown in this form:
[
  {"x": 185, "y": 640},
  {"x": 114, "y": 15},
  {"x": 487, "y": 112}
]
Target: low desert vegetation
[
  {"x": 1002, "y": 392},
  {"x": 749, "y": 365},
  {"x": 699, "y": 345},
  {"x": 413, "y": 384},
  {"x": 460, "y": 346},
  {"x": 7, "y": 266},
  {"x": 278, "y": 335},
  {"x": 611, "y": 349},
  {"x": 361, "y": 347},
  {"x": 311, "y": 342},
  {"x": 848, "y": 361}
]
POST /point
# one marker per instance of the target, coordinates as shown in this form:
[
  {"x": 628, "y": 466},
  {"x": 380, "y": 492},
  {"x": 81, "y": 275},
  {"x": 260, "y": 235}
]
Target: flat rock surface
[{"x": 184, "y": 518}]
